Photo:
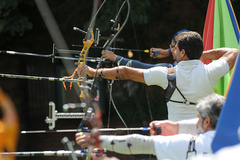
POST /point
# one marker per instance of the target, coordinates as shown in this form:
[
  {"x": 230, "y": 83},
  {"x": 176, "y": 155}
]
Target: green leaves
[
  {"x": 139, "y": 11},
  {"x": 11, "y": 19}
]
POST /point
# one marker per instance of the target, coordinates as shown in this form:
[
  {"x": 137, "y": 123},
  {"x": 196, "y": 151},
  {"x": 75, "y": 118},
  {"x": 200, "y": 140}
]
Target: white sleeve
[
  {"x": 156, "y": 76},
  {"x": 188, "y": 126},
  {"x": 129, "y": 144},
  {"x": 216, "y": 70},
  {"x": 172, "y": 147}
]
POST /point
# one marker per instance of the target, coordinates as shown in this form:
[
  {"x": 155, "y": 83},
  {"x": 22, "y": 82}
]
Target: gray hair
[{"x": 211, "y": 106}]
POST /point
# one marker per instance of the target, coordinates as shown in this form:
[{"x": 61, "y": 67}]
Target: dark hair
[
  {"x": 176, "y": 34},
  {"x": 192, "y": 43}
]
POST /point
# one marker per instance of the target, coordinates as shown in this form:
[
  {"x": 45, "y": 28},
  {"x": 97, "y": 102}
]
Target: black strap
[
  {"x": 183, "y": 102},
  {"x": 191, "y": 148},
  {"x": 171, "y": 88}
]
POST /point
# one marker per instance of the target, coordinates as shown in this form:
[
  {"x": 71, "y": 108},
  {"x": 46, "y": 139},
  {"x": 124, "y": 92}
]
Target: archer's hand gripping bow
[{"x": 82, "y": 60}]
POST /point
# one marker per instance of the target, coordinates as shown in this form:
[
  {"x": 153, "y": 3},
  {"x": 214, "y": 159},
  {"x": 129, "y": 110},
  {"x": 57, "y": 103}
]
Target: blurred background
[{"x": 152, "y": 23}]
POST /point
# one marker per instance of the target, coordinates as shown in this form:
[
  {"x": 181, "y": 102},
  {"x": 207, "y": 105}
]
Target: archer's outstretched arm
[
  {"x": 109, "y": 55},
  {"x": 126, "y": 144},
  {"x": 116, "y": 73}
]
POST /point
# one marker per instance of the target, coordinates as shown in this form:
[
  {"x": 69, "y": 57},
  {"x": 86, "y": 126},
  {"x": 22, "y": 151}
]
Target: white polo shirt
[
  {"x": 229, "y": 152},
  {"x": 194, "y": 79}
]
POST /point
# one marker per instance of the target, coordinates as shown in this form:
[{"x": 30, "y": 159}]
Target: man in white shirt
[
  {"x": 193, "y": 79},
  {"x": 177, "y": 147},
  {"x": 229, "y": 152}
]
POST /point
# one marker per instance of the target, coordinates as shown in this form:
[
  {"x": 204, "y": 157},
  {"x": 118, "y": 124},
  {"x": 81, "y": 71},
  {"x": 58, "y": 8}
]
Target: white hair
[{"x": 211, "y": 106}]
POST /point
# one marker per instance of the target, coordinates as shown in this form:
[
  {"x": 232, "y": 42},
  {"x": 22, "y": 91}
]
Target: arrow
[
  {"x": 91, "y": 59},
  {"x": 120, "y": 49},
  {"x": 79, "y": 153},
  {"x": 44, "y": 78},
  {"x": 87, "y": 129}
]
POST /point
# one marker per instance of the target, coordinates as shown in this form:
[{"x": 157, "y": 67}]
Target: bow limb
[
  {"x": 124, "y": 23},
  {"x": 9, "y": 125},
  {"x": 82, "y": 60},
  {"x": 92, "y": 104},
  {"x": 95, "y": 150},
  {"x": 107, "y": 45},
  {"x": 96, "y": 121},
  {"x": 94, "y": 118},
  {"x": 87, "y": 45}
]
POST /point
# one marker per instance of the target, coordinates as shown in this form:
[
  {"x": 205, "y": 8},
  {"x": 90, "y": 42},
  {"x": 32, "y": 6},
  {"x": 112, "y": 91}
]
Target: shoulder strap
[
  {"x": 191, "y": 148},
  {"x": 171, "y": 88},
  {"x": 171, "y": 85}
]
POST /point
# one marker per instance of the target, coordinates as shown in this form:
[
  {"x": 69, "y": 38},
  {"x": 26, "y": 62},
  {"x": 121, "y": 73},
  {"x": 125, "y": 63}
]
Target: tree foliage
[{"x": 12, "y": 20}]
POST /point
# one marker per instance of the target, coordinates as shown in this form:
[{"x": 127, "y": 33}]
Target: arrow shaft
[
  {"x": 91, "y": 59},
  {"x": 110, "y": 48},
  {"x": 79, "y": 130},
  {"x": 37, "y": 55},
  {"x": 42, "y": 78},
  {"x": 79, "y": 153},
  {"x": 125, "y": 49},
  {"x": 125, "y": 129}
]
